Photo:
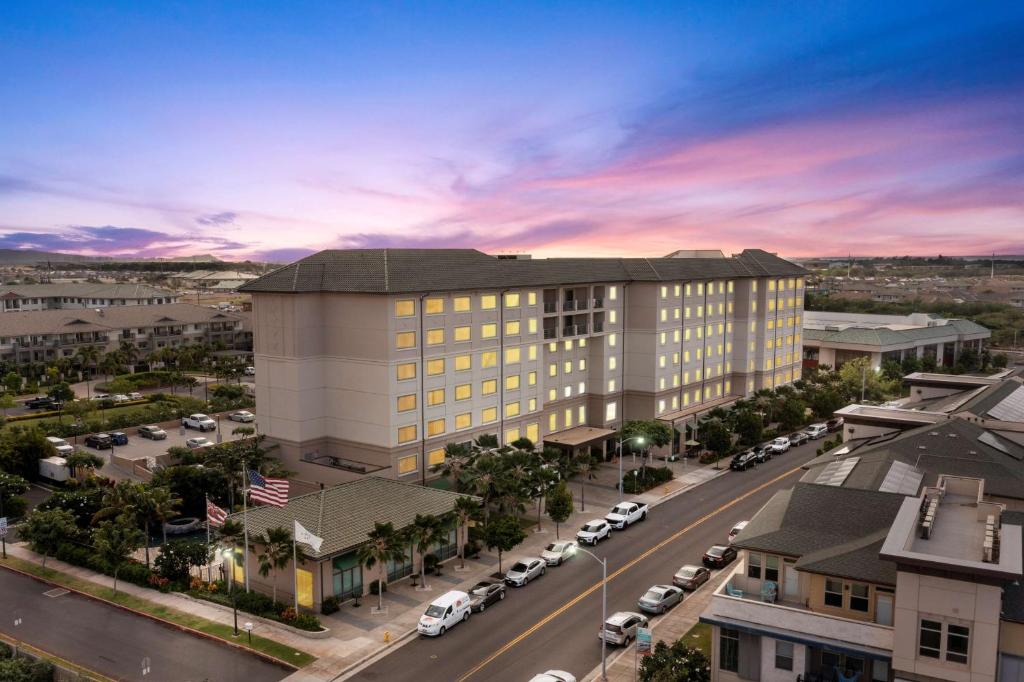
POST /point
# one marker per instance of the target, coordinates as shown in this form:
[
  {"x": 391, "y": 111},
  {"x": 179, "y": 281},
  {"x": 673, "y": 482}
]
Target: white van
[
  {"x": 444, "y": 612},
  {"x": 816, "y": 431},
  {"x": 736, "y": 530},
  {"x": 60, "y": 445}
]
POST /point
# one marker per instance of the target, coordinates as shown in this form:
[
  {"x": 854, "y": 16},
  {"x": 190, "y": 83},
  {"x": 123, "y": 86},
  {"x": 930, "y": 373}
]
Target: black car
[
  {"x": 743, "y": 461},
  {"x": 100, "y": 441},
  {"x": 834, "y": 425},
  {"x": 42, "y": 402},
  {"x": 762, "y": 452},
  {"x": 485, "y": 593},
  {"x": 798, "y": 438},
  {"x": 719, "y": 556}
]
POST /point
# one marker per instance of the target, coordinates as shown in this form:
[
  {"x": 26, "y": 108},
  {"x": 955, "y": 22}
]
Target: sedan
[
  {"x": 152, "y": 432},
  {"x": 100, "y": 441},
  {"x": 558, "y": 552},
  {"x": 485, "y": 593},
  {"x": 763, "y": 453},
  {"x": 743, "y": 461},
  {"x": 798, "y": 438},
  {"x": 690, "y": 577},
  {"x": 198, "y": 442},
  {"x": 134, "y": 395},
  {"x": 554, "y": 676},
  {"x": 525, "y": 570},
  {"x": 120, "y": 398},
  {"x": 660, "y": 598},
  {"x": 779, "y": 445},
  {"x": 719, "y": 556},
  {"x": 593, "y": 532},
  {"x": 242, "y": 416}
]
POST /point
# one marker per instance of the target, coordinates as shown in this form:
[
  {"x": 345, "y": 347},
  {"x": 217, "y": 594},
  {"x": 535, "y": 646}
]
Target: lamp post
[
  {"x": 604, "y": 606},
  {"x": 638, "y": 439},
  {"x": 230, "y": 554}
]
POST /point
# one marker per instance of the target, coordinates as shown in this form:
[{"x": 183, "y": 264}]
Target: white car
[
  {"x": 779, "y": 445},
  {"x": 101, "y": 396},
  {"x": 554, "y": 676},
  {"x": 447, "y": 610},
  {"x": 134, "y": 395},
  {"x": 120, "y": 398},
  {"x": 242, "y": 416},
  {"x": 199, "y": 421},
  {"x": 558, "y": 552},
  {"x": 816, "y": 431},
  {"x": 620, "y": 628},
  {"x": 198, "y": 442},
  {"x": 525, "y": 570},
  {"x": 593, "y": 532},
  {"x": 250, "y": 371}
]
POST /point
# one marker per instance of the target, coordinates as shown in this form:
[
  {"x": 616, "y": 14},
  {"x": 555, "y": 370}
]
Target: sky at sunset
[{"x": 270, "y": 130}]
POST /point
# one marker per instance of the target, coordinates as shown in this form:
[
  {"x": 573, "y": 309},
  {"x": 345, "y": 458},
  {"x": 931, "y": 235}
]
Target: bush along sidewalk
[
  {"x": 644, "y": 478},
  {"x": 255, "y": 603}
]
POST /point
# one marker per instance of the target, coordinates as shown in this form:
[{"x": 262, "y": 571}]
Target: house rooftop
[
  {"x": 62, "y": 321},
  {"x": 83, "y": 290}
]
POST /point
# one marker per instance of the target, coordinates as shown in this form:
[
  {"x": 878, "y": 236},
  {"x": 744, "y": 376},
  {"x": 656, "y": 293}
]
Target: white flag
[{"x": 303, "y": 535}]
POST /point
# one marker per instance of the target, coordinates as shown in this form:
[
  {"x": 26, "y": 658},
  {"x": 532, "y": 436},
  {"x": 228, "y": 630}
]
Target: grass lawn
[
  {"x": 699, "y": 637},
  {"x": 224, "y": 632}
]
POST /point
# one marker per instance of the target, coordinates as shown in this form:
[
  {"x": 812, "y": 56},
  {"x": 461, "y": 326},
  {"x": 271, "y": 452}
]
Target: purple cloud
[
  {"x": 110, "y": 239},
  {"x": 223, "y": 218},
  {"x": 281, "y": 255}
]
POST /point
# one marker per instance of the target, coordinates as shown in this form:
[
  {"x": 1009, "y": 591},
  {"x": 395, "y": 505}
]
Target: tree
[
  {"x": 385, "y": 545},
  {"x": 131, "y": 502},
  {"x": 482, "y": 478},
  {"x": 80, "y": 459},
  {"x": 7, "y": 402},
  {"x": 11, "y": 487},
  {"x": 162, "y": 506},
  {"x": 425, "y": 532},
  {"x": 675, "y": 663},
  {"x": 21, "y": 448},
  {"x": 749, "y": 426},
  {"x": 130, "y": 353},
  {"x": 177, "y": 558},
  {"x": 115, "y": 541},
  {"x": 465, "y": 509},
  {"x": 909, "y": 365},
  {"x": 457, "y": 460},
  {"x": 276, "y": 550},
  {"x": 653, "y": 431},
  {"x": 192, "y": 485},
  {"x": 12, "y": 382},
  {"x": 792, "y": 414},
  {"x": 504, "y": 534},
  {"x": 826, "y": 401},
  {"x": 586, "y": 467},
  {"x": 716, "y": 437},
  {"x": 1000, "y": 360},
  {"x": 45, "y": 531},
  {"x": 892, "y": 370},
  {"x": 929, "y": 363},
  {"x": 559, "y": 505}
]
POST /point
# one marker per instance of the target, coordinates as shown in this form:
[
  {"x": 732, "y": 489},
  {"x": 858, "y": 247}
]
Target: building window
[
  {"x": 405, "y": 308},
  {"x": 533, "y": 432},
  {"x": 783, "y": 652},
  {"x": 461, "y": 304},
  {"x": 958, "y": 639},
  {"x": 406, "y": 433},
  {"x": 512, "y": 382},
  {"x": 552, "y": 422},
  {"x": 531, "y": 352},
  {"x": 511, "y": 300},
  {"x": 463, "y": 362},
  {"x": 511, "y": 356},
  {"x": 553, "y": 369},
  {"x": 512, "y": 409},
  {"x": 435, "y": 427},
  {"x": 611, "y": 385},
  {"x": 435, "y": 367},
  {"x": 407, "y": 402},
  {"x": 612, "y": 340},
  {"x": 834, "y": 593},
  {"x": 930, "y": 644},
  {"x": 435, "y": 457},
  {"x": 407, "y": 464},
  {"x": 611, "y": 411},
  {"x": 612, "y": 362},
  {"x": 489, "y": 330},
  {"x": 568, "y": 417},
  {"x": 531, "y": 406},
  {"x": 859, "y": 597},
  {"x": 435, "y": 337},
  {"x": 613, "y": 292},
  {"x": 567, "y": 366},
  {"x": 463, "y": 333},
  {"x": 531, "y": 325},
  {"x": 531, "y": 379},
  {"x": 433, "y": 306},
  {"x": 407, "y": 370},
  {"x": 771, "y": 568},
  {"x": 435, "y": 397},
  {"x": 488, "y": 302},
  {"x": 463, "y": 391},
  {"x": 489, "y": 414},
  {"x": 463, "y": 421},
  {"x": 531, "y": 298},
  {"x": 729, "y": 650},
  {"x": 489, "y": 386},
  {"x": 754, "y": 565},
  {"x": 405, "y": 339},
  {"x": 512, "y": 328},
  {"x": 511, "y": 436},
  {"x": 488, "y": 359}
]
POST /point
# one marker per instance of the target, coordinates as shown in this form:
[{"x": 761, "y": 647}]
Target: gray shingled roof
[
  {"x": 349, "y": 511},
  {"x": 1013, "y": 594},
  {"x": 85, "y": 290},
  {"x": 69, "y": 321},
  {"x": 882, "y": 336},
  {"x": 382, "y": 271},
  {"x": 856, "y": 560}
]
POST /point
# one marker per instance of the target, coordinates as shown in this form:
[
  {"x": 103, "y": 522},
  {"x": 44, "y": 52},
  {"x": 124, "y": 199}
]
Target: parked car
[
  {"x": 779, "y": 445},
  {"x": 559, "y": 552},
  {"x": 134, "y": 395},
  {"x": 242, "y": 416},
  {"x": 62, "y": 447},
  {"x": 198, "y": 442},
  {"x": 593, "y": 532},
  {"x": 250, "y": 371},
  {"x": 816, "y": 431},
  {"x": 719, "y": 556},
  {"x": 736, "y": 530},
  {"x": 625, "y": 514},
  {"x": 41, "y": 402},
  {"x": 101, "y": 396},
  {"x": 100, "y": 441},
  {"x": 743, "y": 461},
  {"x": 152, "y": 432},
  {"x": 120, "y": 398},
  {"x": 119, "y": 438},
  {"x": 762, "y": 453},
  {"x": 554, "y": 676},
  {"x": 660, "y": 598},
  {"x": 834, "y": 425},
  {"x": 798, "y": 438},
  {"x": 621, "y": 627},
  {"x": 485, "y": 593},
  {"x": 199, "y": 421},
  {"x": 690, "y": 577},
  {"x": 450, "y": 609},
  {"x": 525, "y": 570}
]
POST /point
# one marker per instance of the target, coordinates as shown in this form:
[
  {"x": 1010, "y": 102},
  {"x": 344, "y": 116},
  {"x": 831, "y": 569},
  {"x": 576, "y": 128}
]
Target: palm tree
[
  {"x": 425, "y": 532},
  {"x": 110, "y": 365},
  {"x": 385, "y": 545},
  {"x": 277, "y": 550},
  {"x": 541, "y": 480},
  {"x": 129, "y": 500},
  {"x": 465, "y": 509},
  {"x": 483, "y": 476},
  {"x": 586, "y": 467},
  {"x": 87, "y": 357},
  {"x": 163, "y": 506},
  {"x": 130, "y": 352},
  {"x": 457, "y": 460}
]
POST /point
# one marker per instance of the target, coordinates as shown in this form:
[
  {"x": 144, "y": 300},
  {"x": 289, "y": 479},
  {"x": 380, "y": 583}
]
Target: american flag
[
  {"x": 215, "y": 515},
  {"x": 270, "y": 490}
]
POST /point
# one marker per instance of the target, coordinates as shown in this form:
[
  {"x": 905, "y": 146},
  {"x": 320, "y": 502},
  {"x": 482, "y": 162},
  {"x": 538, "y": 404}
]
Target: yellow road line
[{"x": 633, "y": 562}]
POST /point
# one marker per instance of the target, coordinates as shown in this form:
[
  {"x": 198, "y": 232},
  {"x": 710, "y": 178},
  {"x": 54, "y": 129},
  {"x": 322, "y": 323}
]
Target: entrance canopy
[
  {"x": 577, "y": 436},
  {"x": 700, "y": 408}
]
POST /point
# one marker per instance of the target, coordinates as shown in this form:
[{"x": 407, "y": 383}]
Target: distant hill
[{"x": 31, "y": 257}]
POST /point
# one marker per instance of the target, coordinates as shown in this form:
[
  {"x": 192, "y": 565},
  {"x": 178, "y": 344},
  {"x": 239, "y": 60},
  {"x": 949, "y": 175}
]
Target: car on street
[
  {"x": 242, "y": 416},
  {"x": 554, "y": 676},
  {"x": 100, "y": 441},
  {"x": 525, "y": 570},
  {"x": 450, "y": 609},
  {"x": 485, "y": 593},
  {"x": 198, "y": 442},
  {"x": 120, "y": 398},
  {"x": 736, "y": 530},
  {"x": 41, "y": 402},
  {"x": 134, "y": 395},
  {"x": 719, "y": 556},
  {"x": 119, "y": 438},
  {"x": 763, "y": 452},
  {"x": 660, "y": 598},
  {"x": 816, "y": 431},
  {"x": 834, "y": 425},
  {"x": 690, "y": 577},
  {"x": 559, "y": 552},
  {"x": 152, "y": 432},
  {"x": 593, "y": 532},
  {"x": 620, "y": 628},
  {"x": 798, "y": 438},
  {"x": 625, "y": 514},
  {"x": 101, "y": 396},
  {"x": 743, "y": 461},
  {"x": 62, "y": 447},
  {"x": 199, "y": 421},
  {"x": 779, "y": 445},
  {"x": 250, "y": 371}
]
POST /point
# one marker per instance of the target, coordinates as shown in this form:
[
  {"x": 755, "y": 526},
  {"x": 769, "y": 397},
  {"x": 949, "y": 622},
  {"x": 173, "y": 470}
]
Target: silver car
[
  {"x": 525, "y": 570},
  {"x": 621, "y": 627},
  {"x": 690, "y": 577},
  {"x": 660, "y": 598},
  {"x": 558, "y": 552}
]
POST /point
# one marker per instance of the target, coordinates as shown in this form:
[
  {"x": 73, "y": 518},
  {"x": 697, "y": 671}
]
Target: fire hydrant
[{"x": 387, "y": 637}]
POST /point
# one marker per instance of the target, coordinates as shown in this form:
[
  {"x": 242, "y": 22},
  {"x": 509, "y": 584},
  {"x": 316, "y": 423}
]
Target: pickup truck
[
  {"x": 199, "y": 421},
  {"x": 625, "y": 514}
]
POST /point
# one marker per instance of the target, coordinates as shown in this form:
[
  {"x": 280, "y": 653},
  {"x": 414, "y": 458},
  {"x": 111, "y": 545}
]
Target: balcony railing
[
  {"x": 574, "y": 330},
  {"x": 598, "y": 303},
  {"x": 568, "y": 305},
  {"x": 550, "y": 307},
  {"x": 550, "y": 333},
  {"x": 598, "y": 327}
]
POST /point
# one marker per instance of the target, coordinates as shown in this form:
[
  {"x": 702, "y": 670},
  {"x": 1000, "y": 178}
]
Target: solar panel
[
  {"x": 902, "y": 478},
  {"x": 836, "y": 472},
  {"x": 990, "y": 440},
  {"x": 1010, "y": 408}
]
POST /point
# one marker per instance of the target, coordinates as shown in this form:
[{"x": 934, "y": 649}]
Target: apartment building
[
  {"x": 28, "y": 297},
  {"x": 371, "y": 361},
  {"x": 46, "y": 335},
  {"x": 850, "y": 585}
]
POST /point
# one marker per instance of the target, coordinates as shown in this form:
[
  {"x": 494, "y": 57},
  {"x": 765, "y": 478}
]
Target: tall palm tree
[
  {"x": 586, "y": 467},
  {"x": 130, "y": 353},
  {"x": 385, "y": 545},
  {"x": 276, "y": 551},
  {"x": 110, "y": 365},
  {"x": 87, "y": 357},
  {"x": 163, "y": 506},
  {"x": 127, "y": 499},
  {"x": 425, "y": 532},
  {"x": 457, "y": 460},
  {"x": 465, "y": 509},
  {"x": 483, "y": 477}
]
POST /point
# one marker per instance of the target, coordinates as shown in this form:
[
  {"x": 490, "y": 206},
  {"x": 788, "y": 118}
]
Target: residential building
[
  {"x": 46, "y": 335},
  {"x": 372, "y": 360},
  {"x": 212, "y": 280},
  {"x": 70, "y": 296},
  {"x": 833, "y": 339}
]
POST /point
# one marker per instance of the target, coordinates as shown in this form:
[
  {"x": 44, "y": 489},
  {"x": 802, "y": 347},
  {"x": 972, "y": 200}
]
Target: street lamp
[
  {"x": 604, "y": 606},
  {"x": 638, "y": 439},
  {"x": 229, "y": 553}
]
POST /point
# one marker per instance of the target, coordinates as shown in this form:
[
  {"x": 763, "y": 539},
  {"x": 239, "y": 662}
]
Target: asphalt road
[
  {"x": 115, "y": 642},
  {"x": 551, "y": 623}
]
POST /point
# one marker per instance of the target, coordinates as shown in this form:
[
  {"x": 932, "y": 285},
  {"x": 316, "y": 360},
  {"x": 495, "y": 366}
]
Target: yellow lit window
[
  {"x": 662, "y": 338},
  {"x": 531, "y": 325},
  {"x": 406, "y": 370},
  {"x": 753, "y": 285},
  {"x": 463, "y": 362},
  {"x": 582, "y": 412},
  {"x": 700, "y": 289},
  {"x": 433, "y": 306},
  {"x": 531, "y": 298},
  {"x": 553, "y": 370},
  {"x": 686, "y": 334},
  {"x": 567, "y": 344},
  {"x": 463, "y": 391},
  {"x": 435, "y": 367},
  {"x": 664, "y": 314},
  {"x": 531, "y": 379},
  {"x": 406, "y": 433},
  {"x": 435, "y": 427},
  {"x": 664, "y": 292},
  {"x": 531, "y": 405},
  {"x": 613, "y": 317},
  {"x": 661, "y": 383},
  {"x": 533, "y": 431},
  {"x": 583, "y": 343},
  {"x": 613, "y": 293},
  {"x": 511, "y": 356},
  {"x": 489, "y": 386},
  {"x": 488, "y": 302},
  {"x": 407, "y": 402},
  {"x": 686, "y": 399},
  {"x": 512, "y": 328},
  {"x": 435, "y": 397},
  {"x": 675, "y": 313},
  {"x": 568, "y": 417},
  {"x": 611, "y": 385},
  {"x": 461, "y": 304},
  {"x": 771, "y": 285},
  {"x": 700, "y": 311},
  {"x": 531, "y": 352},
  {"x": 612, "y": 340},
  {"x": 463, "y": 421},
  {"x": 511, "y": 436},
  {"x": 689, "y": 290},
  {"x": 675, "y": 358},
  {"x": 686, "y": 356},
  {"x": 730, "y": 286},
  {"x": 612, "y": 362},
  {"x": 567, "y": 367},
  {"x": 552, "y": 422},
  {"x": 488, "y": 415},
  {"x": 405, "y": 308},
  {"x": 661, "y": 361},
  {"x": 511, "y": 300},
  {"x": 512, "y": 382},
  {"x": 405, "y": 339},
  {"x": 435, "y": 457},
  {"x": 489, "y": 359},
  {"x": 488, "y": 331},
  {"x": 435, "y": 337},
  {"x": 512, "y": 409},
  {"x": 721, "y": 287},
  {"x": 582, "y": 364},
  {"x": 675, "y": 290},
  {"x": 675, "y": 402},
  {"x": 552, "y": 395},
  {"x": 463, "y": 333},
  {"x": 553, "y": 347},
  {"x": 407, "y": 464},
  {"x": 753, "y": 306}
]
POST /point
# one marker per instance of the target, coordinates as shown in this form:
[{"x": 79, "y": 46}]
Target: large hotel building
[{"x": 371, "y": 361}]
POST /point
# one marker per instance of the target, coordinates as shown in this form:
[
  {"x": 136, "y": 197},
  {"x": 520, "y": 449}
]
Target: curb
[
  {"x": 372, "y": 657},
  {"x": 181, "y": 628}
]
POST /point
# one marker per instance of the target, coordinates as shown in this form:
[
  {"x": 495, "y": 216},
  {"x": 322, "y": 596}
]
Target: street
[
  {"x": 115, "y": 642},
  {"x": 554, "y": 622}
]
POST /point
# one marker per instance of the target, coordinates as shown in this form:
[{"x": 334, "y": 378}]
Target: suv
[
  {"x": 621, "y": 627},
  {"x": 100, "y": 441},
  {"x": 119, "y": 438},
  {"x": 762, "y": 452},
  {"x": 798, "y": 438},
  {"x": 816, "y": 431},
  {"x": 593, "y": 532},
  {"x": 834, "y": 425},
  {"x": 743, "y": 461},
  {"x": 779, "y": 445}
]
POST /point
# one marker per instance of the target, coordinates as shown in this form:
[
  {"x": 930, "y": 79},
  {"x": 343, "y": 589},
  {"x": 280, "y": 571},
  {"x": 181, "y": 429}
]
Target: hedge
[
  {"x": 153, "y": 379},
  {"x": 644, "y": 479},
  {"x": 258, "y": 604}
]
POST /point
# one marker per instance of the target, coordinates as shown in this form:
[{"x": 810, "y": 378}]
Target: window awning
[
  {"x": 578, "y": 435},
  {"x": 698, "y": 409}
]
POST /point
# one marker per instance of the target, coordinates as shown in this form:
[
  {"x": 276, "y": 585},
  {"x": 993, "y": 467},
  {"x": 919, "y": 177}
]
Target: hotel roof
[{"x": 63, "y": 321}]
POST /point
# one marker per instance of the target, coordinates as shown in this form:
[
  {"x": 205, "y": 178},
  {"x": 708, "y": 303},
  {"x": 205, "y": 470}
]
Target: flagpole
[
  {"x": 295, "y": 573},
  {"x": 209, "y": 561},
  {"x": 245, "y": 529}
]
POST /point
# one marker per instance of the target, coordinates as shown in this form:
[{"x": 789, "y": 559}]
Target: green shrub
[
  {"x": 307, "y": 621},
  {"x": 25, "y": 670},
  {"x": 14, "y": 507},
  {"x": 329, "y": 606},
  {"x": 645, "y": 478}
]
